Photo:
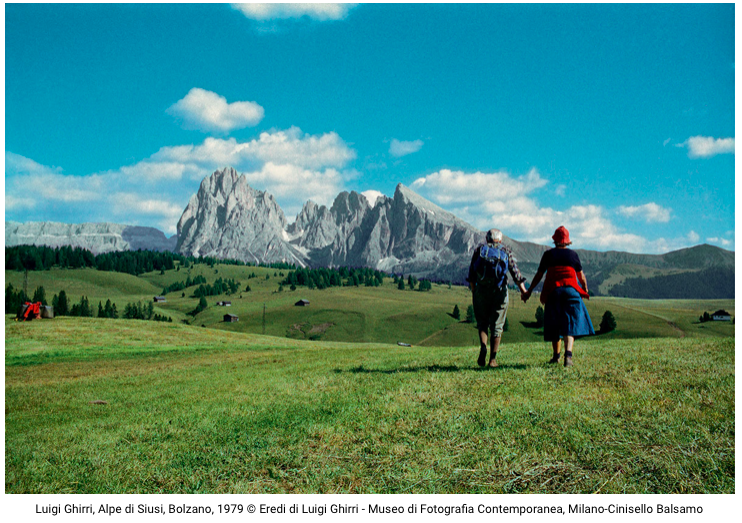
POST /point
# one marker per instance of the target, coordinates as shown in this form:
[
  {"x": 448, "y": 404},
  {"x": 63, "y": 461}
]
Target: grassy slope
[
  {"x": 364, "y": 314},
  {"x": 622, "y": 272},
  {"x": 197, "y": 410}
]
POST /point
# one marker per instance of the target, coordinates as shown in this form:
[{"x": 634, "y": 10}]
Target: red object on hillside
[{"x": 30, "y": 311}]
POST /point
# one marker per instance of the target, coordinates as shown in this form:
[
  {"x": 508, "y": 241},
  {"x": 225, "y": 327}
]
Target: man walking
[{"x": 488, "y": 281}]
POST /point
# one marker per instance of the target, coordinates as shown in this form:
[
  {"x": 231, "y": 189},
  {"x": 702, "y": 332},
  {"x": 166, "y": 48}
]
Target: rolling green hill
[{"x": 358, "y": 314}]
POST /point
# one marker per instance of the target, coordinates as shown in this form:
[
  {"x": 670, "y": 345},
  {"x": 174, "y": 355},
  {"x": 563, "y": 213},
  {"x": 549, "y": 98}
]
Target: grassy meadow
[
  {"x": 361, "y": 314},
  {"x": 98, "y": 405}
]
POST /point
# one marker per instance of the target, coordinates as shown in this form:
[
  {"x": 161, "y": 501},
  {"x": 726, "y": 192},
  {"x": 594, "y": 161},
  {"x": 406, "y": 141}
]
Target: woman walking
[{"x": 565, "y": 315}]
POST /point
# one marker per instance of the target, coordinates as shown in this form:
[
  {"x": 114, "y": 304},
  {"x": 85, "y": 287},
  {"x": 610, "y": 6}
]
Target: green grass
[
  {"x": 190, "y": 409},
  {"x": 363, "y": 314}
]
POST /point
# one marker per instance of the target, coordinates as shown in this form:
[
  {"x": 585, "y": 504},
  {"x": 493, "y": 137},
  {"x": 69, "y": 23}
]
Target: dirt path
[
  {"x": 670, "y": 323},
  {"x": 436, "y": 333}
]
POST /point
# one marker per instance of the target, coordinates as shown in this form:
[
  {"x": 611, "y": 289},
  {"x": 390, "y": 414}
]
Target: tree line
[
  {"x": 324, "y": 277},
  {"x": 41, "y": 257},
  {"x": 713, "y": 283},
  {"x": 228, "y": 286},
  {"x": 412, "y": 282},
  {"x": 63, "y": 306},
  {"x": 182, "y": 285}
]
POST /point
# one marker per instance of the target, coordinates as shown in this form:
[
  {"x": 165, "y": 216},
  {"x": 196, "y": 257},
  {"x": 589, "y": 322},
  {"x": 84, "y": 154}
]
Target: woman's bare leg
[
  {"x": 556, "y": 346},
  {"x": 569, "y": 343}
]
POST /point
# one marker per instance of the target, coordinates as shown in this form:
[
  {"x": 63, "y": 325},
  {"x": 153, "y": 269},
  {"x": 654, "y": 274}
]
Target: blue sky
[{"x": 614, "y": 120}]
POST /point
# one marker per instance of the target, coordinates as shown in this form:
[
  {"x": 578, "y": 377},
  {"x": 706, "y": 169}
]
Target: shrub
[
  {"x": 456, "y": 312},
  {"x": 608, "y": 323}
]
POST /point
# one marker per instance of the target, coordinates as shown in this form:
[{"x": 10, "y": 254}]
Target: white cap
[{"x": 494, "y": 236}]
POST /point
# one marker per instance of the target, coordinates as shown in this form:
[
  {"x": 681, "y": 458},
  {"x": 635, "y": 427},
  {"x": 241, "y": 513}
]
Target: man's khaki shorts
[{"x": 490, "y": 308}]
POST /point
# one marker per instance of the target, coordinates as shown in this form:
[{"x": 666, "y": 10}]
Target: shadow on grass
[{"x": 429, "y": 368}]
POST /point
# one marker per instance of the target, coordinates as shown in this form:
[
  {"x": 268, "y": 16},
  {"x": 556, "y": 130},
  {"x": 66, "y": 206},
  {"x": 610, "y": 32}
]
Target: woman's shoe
[
  {"x": 568, "y": 359},
  {"x": 555, "y": 358}
]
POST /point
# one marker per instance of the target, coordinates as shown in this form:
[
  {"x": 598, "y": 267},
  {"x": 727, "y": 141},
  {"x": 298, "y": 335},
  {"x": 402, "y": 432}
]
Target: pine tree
[
  {"x": 470, "y": 314},
  {"x": 608, "y": 323},
  {"x": 39, "y": 295},
  {"x": 400, "y": 285},
  {"x": 63, "y": 307},
  {"x": 456, "y": 313}
]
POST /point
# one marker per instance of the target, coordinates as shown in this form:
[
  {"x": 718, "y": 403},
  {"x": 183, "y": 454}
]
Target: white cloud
[
  {"x": 20, "y": 165},
  {"x": 126, "y": 202},
  {"x": 501, "y": 200},
  {"x": 13, "y": 203},
  {"x": 154, "y": 172},
  {"x": 291, "y": 165},
  {"x": 281, "y": 147},
  {"x": 399, "y": 148},
  {"x": 27, "y": 181},
  {"x": 707, "y": 146},
  {"x": 726, "y": 243},
  {"x": 318, "y": 12},
  {"x": 207, "y": 111},
  {"x": 448, "y": 186},
  {"x": 372, "y": 196},
  {"x": 129, "y": 204},
  {"x": 649, "y": 212}
]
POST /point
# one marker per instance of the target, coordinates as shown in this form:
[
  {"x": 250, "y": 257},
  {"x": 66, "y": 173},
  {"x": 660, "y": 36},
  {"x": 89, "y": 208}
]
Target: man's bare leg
[
  {"x": 495, "y": 345},
  {"x": 482, "y": 348}
]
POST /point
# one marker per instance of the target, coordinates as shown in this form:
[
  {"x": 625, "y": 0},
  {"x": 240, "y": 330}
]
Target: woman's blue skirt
[{"x": 565, "y": 315}]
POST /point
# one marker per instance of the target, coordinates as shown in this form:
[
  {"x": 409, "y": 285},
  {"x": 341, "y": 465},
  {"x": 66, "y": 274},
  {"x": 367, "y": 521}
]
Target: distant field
[
  {"x": 189, "y": 409},
  {"x": 363, "y": 314}
]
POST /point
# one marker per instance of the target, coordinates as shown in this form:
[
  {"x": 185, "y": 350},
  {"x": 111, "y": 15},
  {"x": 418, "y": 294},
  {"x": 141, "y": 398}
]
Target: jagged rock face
[
  {"x": 98, "y": 238},
  {"x": 403, "y": 234},
  {"x": 406, "y": 233},
  {"x": 229, "y": 219}
]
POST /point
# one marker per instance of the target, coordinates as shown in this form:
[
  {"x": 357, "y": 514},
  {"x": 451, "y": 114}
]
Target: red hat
[{"x": 561, "y": 236}]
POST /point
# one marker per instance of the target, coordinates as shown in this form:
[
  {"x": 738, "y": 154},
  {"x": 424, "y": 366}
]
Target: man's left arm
[{"x": 515, "y": 273}]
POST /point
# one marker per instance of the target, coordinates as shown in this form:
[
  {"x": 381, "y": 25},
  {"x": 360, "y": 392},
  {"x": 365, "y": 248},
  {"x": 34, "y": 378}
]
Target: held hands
[{"x": 525, "y": 295}]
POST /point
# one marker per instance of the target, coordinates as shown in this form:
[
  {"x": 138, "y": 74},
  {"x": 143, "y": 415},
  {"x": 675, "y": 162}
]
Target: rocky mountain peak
[
  {"x": 229, "y": 219},
  {"x": 349, "y": 206}
]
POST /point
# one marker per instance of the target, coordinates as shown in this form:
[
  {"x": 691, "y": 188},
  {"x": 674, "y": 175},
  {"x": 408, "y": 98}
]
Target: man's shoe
[{"x": 482, "y": 357}]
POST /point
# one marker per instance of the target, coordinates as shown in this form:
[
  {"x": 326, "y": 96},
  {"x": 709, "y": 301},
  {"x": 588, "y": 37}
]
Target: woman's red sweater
[{"x": 561, "y": 276}]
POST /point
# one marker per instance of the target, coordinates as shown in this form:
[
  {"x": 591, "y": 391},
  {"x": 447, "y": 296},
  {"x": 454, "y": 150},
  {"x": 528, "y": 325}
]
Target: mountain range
[{"x": 403, "y": 234}]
